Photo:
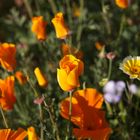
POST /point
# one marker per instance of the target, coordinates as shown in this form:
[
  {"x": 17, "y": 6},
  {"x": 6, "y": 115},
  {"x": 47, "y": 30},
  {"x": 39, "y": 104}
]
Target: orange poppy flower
[
  {"x": 7, "y": 97},
  {"x": 8, "y": 134},
  {"x": 61, "y": 29},
  {"x": 42, "y": 80},
  {"x": 68, "y": 74},
  {"x": 39, "y": 27},
  {"x": 87, "y": 114},
  {"x": 32, "y": 134},
  {"x": 122, "y": 3},
  {"x": 7, "y": 56},
  {"x": 22, "y": 79},
  {"x": 66, "y": 49}
]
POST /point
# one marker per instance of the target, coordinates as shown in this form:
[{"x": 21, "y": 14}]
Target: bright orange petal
[
  {"x": 62, "y": 80},
  {"x": 72, "y": 78},
  {"x": 92, "y": 96},
  {"x": 100, "y": 134}
]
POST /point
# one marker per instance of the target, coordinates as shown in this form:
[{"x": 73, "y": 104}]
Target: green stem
[
  {"x": 41, "y": 122},
  {"x": 109, "y": 69},
  {"x": 70, "y": 113},
  {"x": 52, "y": 118},
  {"x": 109, "y": 109},
  {"x": 53, "y": 6},
  {"x": 80, "y": 27},
  {"x": 4, "y": 119},
  {"x": 28, "y": 7}
]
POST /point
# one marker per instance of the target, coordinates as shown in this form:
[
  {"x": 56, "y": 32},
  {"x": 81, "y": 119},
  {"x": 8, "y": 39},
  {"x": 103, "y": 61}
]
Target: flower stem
[
  {"x": 70, "y": 113},
  {"x": 109, "y": 69},
  {"x": 4, "y": 119}
]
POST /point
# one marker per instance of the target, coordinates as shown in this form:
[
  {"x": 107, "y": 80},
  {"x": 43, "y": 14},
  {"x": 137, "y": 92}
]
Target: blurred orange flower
[
  {"x": 42, "y": 80},
  {"x": 61, "y": 29},
  {"x": 32, "y": 134},
  {"x": 7, "y": 56},
  {"x": 76, "y": 10},
  {"x": 7, "y": 97},
  {"x": 22, "y": 79},
  {"x": 8, "y": 134},
  {"x": 68, "y": 74},
  {"x": 39, "y": 27},
  {"x": 87, "y": 114},
  {"x": 66, "y": 49},
  {"x": 122, "y": 3}
]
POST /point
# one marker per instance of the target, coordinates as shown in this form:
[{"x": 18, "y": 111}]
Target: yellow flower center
[{"x": 136, "y": 69}]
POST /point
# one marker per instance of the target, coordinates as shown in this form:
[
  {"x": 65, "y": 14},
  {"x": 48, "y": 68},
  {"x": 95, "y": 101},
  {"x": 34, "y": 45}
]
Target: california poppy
[
  {"x": 22, "y": 79},
  {"x": 7, "y": 97},
  {"x": 7, "y": 56},
  {"x": 39, "y": 27},
  {"x": 66, "y": 49},
  {"x": 8, "y": 134},
  {"x": 87, "y": 114},
  {"x": 32, "y": 134},
  {"x": 41, "y": 78},
  {"x": 68, "y": 74},
  {"x": 60, "y": 27},
  {"x": 122, "y": 3}
]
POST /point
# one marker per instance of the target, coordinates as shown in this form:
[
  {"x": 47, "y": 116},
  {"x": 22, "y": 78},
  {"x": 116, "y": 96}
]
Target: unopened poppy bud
[{"x": 42, "y": 80}]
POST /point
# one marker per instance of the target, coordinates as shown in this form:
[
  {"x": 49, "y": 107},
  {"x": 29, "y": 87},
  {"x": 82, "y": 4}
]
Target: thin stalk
[
  {"x": 109, "y": 69},
  {"x": 79, "y": 32},
  {"x": 70, "y": 113},
  {"x": 3, "y": 116},
  {"x": 109, "y": 109},
  {"x": 69, "y": 13},
  {"x": 53, "y": 6},
  {"x": 41, "y": 121},
  {"x": 52, "y": 118},
  {"x": 28, "y": 7}
]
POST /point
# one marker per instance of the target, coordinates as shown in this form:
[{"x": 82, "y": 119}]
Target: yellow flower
[
  {"x": 39, "y": 27},
  {"x": 122, "y": 3},
  {"x": 61, "y": 29},
  {"x": 42, "y": 80},
  {"x": 7, "y": 56},
  {"x": 32, "y": 134},
  {"x": 131, "y": 66},
  {"x": 68, "y": 74}
]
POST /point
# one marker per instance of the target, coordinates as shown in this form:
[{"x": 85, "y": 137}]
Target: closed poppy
[
  {"x": 66, "y": 49},
  {"x": 22, "y": 79},
  {"x": 32, "y": 134},
  {"x": 87, "y": 114},
  {"x": 70, "y": 70},
  {"x": 122, "y": 3},
  {"x": 60, "y": 27},
  {"x": 8, "y": 134},
  {"x": 7, "y": 56},
  {"x": 39, "y": 27},
  {"x": 41, "y": 78},
  {"x": 7, "y": 97}
]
